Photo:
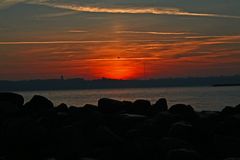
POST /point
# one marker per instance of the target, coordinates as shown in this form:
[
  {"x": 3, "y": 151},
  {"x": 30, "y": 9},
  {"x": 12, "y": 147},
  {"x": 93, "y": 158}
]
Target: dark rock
[
  {"x": 74, "y": 109},
  {"x": 182, "y": 154},
  {"x": 160, "y": 123},
  {"x": 142, "y": 103},
  {"x": 181, "y": 109},
  {"x": 10, "y": 103},
  {"x": 141, "y": 106},
  {"x": 110, "y": 106},
  {"x": 128, "y": 105},
  {"x": 115, "y": 130},
  {"x": 12, "y": 98},
  {"x": 185, "y": 111},
  {"x": 228, "y": 110},
  {"x": 84, "y": 117},
  {"x": 182, "y": 130},
  {"x": 70, "y": 142},
  {"x": 229, "y": 126},
  {"x": 62, "y": 108},
  {"x": 24, "y": 138},
  {"x": 123, "y": 123},
  {"x": 39, "y": 104},
  {"x": 163, "y": 118},
  {"x": 161, "y": 105},
  {"x": 167, "y": 144},
  {"x": 226, "y": 146},
  {"x": 233, "y": 158},
  {"x": 237, "y": 108},
  {"x": 8, "y": 109},
  {"x": 90, "y": 107},
  {"x": 104, "y": 136}
]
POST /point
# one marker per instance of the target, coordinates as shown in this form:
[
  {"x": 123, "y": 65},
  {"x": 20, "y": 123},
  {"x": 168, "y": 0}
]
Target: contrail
[{"x": 149, "y": 10}]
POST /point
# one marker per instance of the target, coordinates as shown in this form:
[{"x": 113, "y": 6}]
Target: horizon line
[{"x": 106, "y": 78}]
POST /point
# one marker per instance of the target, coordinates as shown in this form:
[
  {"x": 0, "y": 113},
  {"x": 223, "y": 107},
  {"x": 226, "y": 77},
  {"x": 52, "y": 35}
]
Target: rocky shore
[{"x": 115, "y": 130}]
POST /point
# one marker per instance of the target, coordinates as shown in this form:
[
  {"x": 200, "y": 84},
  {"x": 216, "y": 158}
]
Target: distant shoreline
[
  {"x": 104, "y": 83},
  {"x": 225, "y": 85}
]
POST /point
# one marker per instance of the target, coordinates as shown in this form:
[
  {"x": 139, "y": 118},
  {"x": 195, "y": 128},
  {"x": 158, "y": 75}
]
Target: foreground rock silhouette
[{"x": 115, "y": 130}]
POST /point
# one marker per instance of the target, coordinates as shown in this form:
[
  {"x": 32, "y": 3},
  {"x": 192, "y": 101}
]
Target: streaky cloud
[
  {"x": 153, "y": 32},
  {"x": 77, "y": 31},
  {"x": 203, "y": 37},
  {"x": 139, "y": 10},
  {"x": 74, "y": 42},
  {"x": 8, "y": 3},
  {"x": 61, "y": 14},
  {"x": 227, "y": 39},
  {"x": 123, "y": 59},
  {"x": 52, "y": 42}
]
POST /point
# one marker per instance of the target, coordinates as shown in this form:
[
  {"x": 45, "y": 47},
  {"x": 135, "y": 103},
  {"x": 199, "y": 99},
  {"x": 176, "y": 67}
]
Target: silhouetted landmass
[
  {"x": 225, "y": 85},
  {"x": 69, "y": 84},
  {"x": 115, "y": 130}
]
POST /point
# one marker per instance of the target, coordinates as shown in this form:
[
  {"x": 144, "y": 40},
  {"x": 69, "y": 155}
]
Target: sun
[
  {"x": 118, "y": 72},
  {"x": 117, "y": 69}
]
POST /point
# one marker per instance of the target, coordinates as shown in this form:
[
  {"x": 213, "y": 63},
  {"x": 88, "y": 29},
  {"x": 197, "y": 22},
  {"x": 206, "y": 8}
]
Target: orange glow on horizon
[
  {"x": 118, "y": 70},
  {"x": 121, "y": 59}
]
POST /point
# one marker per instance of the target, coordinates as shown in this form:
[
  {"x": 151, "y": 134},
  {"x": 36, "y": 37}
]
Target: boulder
[
  {"x": 182, "y": 153},
  {"x": 181, "y": 109},
  {"x": 182, "y": 130},
  {"x": 226, "y": 146},
  {"x": 10, "y": 102},
  {"x": 229, "y": 126},
  {"x": 104, "y": 136},
  {"x": 228, "y": 110},
  {"x": 141, "y": 106},
  {"x": 161, "y": 122},
  {"x": 110, "y": 106},
  {"x": 90, "y": 107},
  {"x": 167, "y": 144},
  {"x": 161, "y": 105},
  {"x": 237, "y": 108},
  {"x": 13, "y": 98},
  {"x": 24, "y": 138},
  {"x": 128, "y": 105},
  {"x": 70, "y": 142},
  {"x": 39, "y": 104},
  {"x": 185, "y": 111},
  {"x": 62, "y": 108}
]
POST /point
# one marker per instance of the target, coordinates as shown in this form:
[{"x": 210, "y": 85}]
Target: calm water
[{"x": 201, "y": 98}]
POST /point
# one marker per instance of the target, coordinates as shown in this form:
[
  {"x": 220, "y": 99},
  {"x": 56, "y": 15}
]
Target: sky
[{"x": 119, "y": 39}]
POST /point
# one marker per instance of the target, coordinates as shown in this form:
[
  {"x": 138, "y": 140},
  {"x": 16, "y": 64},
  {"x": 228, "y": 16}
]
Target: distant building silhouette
[{"x": 62, "y": 77}]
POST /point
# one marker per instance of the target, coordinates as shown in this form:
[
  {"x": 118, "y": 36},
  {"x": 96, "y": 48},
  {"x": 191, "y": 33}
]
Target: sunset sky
[{"x": 120, "y": 39}]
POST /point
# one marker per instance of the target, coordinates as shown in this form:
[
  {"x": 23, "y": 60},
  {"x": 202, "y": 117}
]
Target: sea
[{"x": 201, "y": 98}]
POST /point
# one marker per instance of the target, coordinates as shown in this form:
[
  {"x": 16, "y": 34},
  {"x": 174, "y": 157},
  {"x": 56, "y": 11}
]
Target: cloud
[
  {"x": 123, "y": 59},
  {"x": 77, "y": 31},
  {"x": 153, "y": 32},
  {"x": 52, "y": 42},
  {"x": 204, "y": 37},
  {"x": 52, "y": 15},
  {"x": 129, "y": 10},
  {"x": 117, "y": 10},
  {"x": 8, "y": 3},
  {"x": 74, "y": 42}
]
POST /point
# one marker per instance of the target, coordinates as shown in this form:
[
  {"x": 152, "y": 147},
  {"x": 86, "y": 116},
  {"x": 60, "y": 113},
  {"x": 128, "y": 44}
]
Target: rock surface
[{"x": 115, "y": 130}]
